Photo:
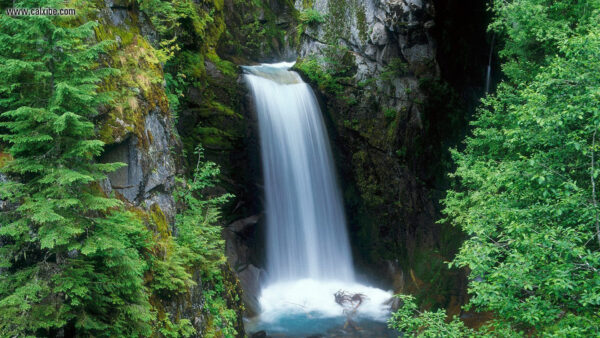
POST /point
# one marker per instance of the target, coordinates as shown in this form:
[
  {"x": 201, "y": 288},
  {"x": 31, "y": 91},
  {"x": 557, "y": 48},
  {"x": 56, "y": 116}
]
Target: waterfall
[
  {"x": 306, "y": 226},
  {"x": 308, "y": 252}
]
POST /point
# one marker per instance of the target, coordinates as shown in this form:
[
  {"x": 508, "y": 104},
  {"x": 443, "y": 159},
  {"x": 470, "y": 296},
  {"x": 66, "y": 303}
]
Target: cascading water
[
  {"x": 306, "y": 226},
  {"x": 308, "y": 251}
]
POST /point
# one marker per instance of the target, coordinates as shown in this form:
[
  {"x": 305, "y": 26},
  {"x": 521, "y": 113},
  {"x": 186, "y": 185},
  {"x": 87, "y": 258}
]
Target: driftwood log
[{"x": 350, "y": 302}]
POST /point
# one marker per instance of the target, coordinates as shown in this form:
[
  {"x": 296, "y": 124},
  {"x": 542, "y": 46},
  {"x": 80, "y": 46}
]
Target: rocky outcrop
[
  {"x": 259, "y": 31},
  {"x": 239, "y": 235},
  {"x": 376, "y": 31},
  {"x": 149, "y": 174}
]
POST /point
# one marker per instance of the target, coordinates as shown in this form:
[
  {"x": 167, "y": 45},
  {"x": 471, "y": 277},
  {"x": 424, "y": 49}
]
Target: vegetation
[
  {"x": 426, "y": 324},
  {"x": 325, "y": 80},
  {"x": 200, "y": 244},
  {"x": 75, "y": 261},
  {"x": 308, "y": 17},
  {"x": 311, "y": 17},
  {"x": 526, "y": 193},
  {"x": 71, "y": 257}
]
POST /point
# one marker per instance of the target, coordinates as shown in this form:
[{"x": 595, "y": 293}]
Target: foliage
[
  {"x": 308, "y": 17},
  {"x": 73, "y": 261},
  {"x": 258, "y": 36},
  {"x": 532, "y": 32},
  {"x": 71, "y": 257},
  {"x": 179, "y": 23},
  {"x": 175, "y": 86},
  {"x": 311, "y": 17},
  {"x": 202, "y": 247},
  {"x": 409, "y": 319},
  {"x": 395, "y": 68},
  {"x": 326, "y": 81},
  {"x": 197, "y": 251},
  {"x": 527, "y": 196},
  {"x": 329, "y": 72},
  {"x": 197, "y": 224}
]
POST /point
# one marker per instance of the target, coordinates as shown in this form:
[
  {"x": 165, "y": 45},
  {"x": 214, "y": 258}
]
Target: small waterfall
[
  {"x": 488, "y": 75},
  {"x": 306, "y": 226}
]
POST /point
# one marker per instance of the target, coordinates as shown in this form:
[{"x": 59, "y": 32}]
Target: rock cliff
[{"x": 373, "y": 61}]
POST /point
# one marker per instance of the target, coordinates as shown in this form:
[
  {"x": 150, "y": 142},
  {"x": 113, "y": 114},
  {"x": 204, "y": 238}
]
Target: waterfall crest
[{"x": 306, "y": 226}]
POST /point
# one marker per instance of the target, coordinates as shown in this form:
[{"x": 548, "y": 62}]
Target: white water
[
  {"x": 309, "y": 296},
  {"x": 306, "y": 227},
  {"x": 308, "y": 251}
]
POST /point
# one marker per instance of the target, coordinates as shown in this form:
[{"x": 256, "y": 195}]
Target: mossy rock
[{"x": 137, "y": 85}]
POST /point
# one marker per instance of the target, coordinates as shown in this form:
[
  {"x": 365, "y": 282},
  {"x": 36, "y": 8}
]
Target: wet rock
[
  {"x": 241, "y": 225},
  {"x": 250, "y": 278},
  {"x": 259, "y": 334},
  {"x": 149, "y": 174},
  {"x": 239, "y": 257},
  {"x": 379, "y": 34},
  {"x": 159, "y": 155}
]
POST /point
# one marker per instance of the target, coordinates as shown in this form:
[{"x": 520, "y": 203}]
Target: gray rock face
[
  {"x": 149, "y": 174},
  {"x": 160, "y": 177},
  {"x": 376, "y": 31},
  {"x": 391, "y": 47},
  {"x": 250, "y": 278},
  {"x": 239, "y": 256},
  {"x": 126, "y": 180}
]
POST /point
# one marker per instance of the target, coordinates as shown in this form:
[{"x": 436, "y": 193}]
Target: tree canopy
[{"x": 526, "y": 193}]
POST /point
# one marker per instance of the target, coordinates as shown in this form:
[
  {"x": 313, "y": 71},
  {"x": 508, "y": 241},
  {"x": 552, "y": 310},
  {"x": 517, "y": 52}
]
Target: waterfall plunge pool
[{"x": 307, "y": 307}]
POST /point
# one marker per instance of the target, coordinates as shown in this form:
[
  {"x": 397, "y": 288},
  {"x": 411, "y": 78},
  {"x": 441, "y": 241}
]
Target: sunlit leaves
[{"x": 526, "y": 195}]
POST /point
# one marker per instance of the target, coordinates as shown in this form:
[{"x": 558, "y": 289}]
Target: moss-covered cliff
[{"x": 164, "y": 53}]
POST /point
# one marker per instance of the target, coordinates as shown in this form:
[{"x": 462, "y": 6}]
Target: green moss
[
  {"x": 395, "y": 68},
  {"x": 389, "y": 113},
  {"x": 255, "y": 29},
  {"x": 337, "y": 23},
  {"x": 325, "y": 81},
  {"x": 159, "y": 220},
  {"x": 191, "y": 64},
  {"x": 307, "y": 4},
  {"x": 311, "y": 17},
  {"x": 366, "y": 181},
  {"x": 215, "y": 138},
  {"x": 361, "y": 21},
  {"x": 136, "y": 86},
  {"x": 226, "y": 67},
  {"x": 218, "y": 4}
]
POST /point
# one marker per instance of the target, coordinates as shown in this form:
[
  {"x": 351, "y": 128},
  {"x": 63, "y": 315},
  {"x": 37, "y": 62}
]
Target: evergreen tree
[{"x": 70, "y": 257}]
